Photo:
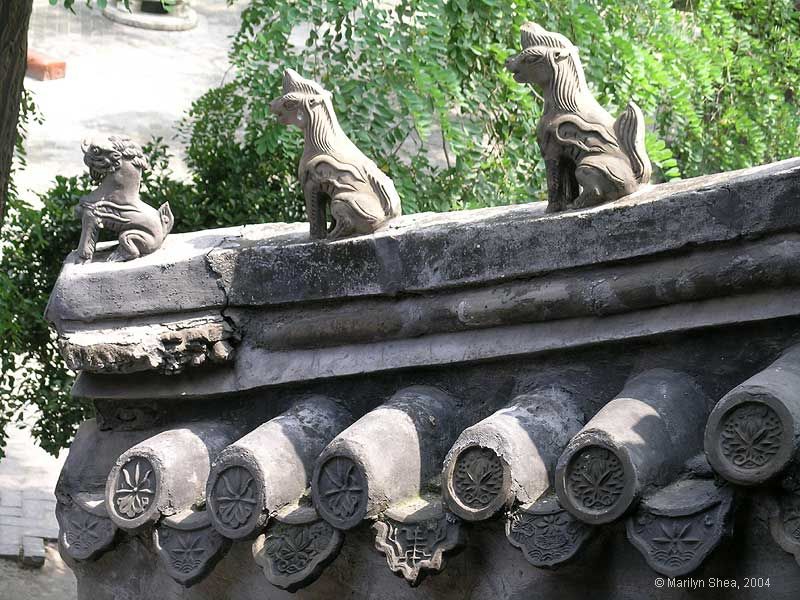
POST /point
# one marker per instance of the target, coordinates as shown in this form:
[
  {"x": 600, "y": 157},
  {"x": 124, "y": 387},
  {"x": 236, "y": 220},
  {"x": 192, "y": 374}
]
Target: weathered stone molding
[
  {"x": 677, "y": 527},
  {"x": 415, "y": 537},
  {"x": 296, "y": 547},
  {"x": 596, "y": 292},
  {"x": 270, "y": 468},
  {"x": 641, "y": 438},
  {"x": 510, "y": 456},
  {"x": 256, "y": 367},
  {"x": 169, "y": 347},
  {"x": 754, "y": 430},
  {"x": 386, "y": 457},
  {"x": 390, "y": 314},
  {"x": 547, "y": 535}
]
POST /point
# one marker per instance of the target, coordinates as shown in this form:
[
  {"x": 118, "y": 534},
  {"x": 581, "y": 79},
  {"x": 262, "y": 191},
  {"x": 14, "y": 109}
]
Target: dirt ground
[{"x": 54, "y": 581}]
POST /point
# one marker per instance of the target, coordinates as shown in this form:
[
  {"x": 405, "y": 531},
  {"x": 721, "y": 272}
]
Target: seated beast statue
[
  {"x": 116, "y": 164},
  {"x": 333, "y": 171},
  {"x": 581, "y": 143}
]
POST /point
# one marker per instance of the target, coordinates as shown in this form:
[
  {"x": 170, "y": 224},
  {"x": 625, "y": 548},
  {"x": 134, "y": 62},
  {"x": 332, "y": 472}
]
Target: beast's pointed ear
[
  {"x": 294, "y": 83},
  {"x": 531, "y": 34},
  {"x": 290, "y": 78}
]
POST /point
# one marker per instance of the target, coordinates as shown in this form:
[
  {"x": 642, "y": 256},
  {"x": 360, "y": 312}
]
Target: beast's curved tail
[
  {"x": 167, "y": 218},
  {"x": 629, "y": 128}
]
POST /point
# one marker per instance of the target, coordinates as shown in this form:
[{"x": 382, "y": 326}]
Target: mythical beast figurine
[
  {"x": 334, "y": 173},
  {"x": 581, "y": 143},
  {"x": 116, "y": 164}
]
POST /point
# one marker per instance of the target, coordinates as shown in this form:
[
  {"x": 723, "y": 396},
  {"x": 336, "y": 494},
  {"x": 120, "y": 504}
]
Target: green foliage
[
  {"x": 421, "y": 88},
  {"x": 433, "y": 107},
  {"x": 32, "y": 373},
  {"x": 28, "y": 112},
  {"x": 232, "y": 181}
]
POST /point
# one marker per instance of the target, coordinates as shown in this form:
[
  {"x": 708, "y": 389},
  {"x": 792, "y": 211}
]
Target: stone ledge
[
  {"x": 276, "y": 264},
  {"x": 434, "y": 252},
  {"x": 173, "y": 280},
  {"x": 431, "y": 289},
  {"x": 167, "y": 347},
  {"x": 258, "y": 367}
]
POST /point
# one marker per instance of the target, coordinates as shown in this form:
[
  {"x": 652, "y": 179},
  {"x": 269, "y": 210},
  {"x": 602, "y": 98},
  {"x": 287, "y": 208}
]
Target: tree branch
[{"x": 14, "y": 18}]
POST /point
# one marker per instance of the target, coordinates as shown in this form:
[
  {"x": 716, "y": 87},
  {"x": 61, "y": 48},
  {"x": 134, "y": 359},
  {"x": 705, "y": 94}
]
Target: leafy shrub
[
  {"x": 32, "y": 372},
  {"x": 421, "y": 88}
]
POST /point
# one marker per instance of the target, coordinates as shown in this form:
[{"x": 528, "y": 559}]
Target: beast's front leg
[
  {"x": 555, "y": 201},
  {"x": 90, "y": 227},
  {"x": 318, "y": 226},
  {"x": 87, "y": 202}
]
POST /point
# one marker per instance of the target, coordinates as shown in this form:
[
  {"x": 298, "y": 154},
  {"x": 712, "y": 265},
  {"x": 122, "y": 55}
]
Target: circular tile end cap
[
  {"x": 596, "y": 482},
  {"x": 477, "y": 483},
  {"x": 132, "y": 491},
  {"x": 749, "y": 439},
  {"x": 235, "y": 500},
  {"x": 340, "y": 490}
]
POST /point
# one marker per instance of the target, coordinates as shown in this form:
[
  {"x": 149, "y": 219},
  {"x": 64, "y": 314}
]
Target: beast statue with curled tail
[
  {"x": 334, "y": 173},
  {"x": 117, "y": 164},
  {"x": 590, "y": 158}
]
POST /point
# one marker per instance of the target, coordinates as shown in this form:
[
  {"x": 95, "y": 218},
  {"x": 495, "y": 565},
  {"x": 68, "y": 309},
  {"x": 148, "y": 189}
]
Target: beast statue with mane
[
  {"x": 590, "y": 158},
  {"x": 334, "y": 173},
  {"x": 116, "y": 164}
]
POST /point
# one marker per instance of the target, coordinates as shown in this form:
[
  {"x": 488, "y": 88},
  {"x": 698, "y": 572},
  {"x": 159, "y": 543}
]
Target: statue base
[{"x": 181, "y": 18}]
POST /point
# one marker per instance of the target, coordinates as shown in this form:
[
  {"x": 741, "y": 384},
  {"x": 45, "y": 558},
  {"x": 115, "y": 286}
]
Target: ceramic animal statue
[
  {"x": 117, "y": 164},
  {"x": 337, "y": 178},
  {"x": 590, "y": 158}
]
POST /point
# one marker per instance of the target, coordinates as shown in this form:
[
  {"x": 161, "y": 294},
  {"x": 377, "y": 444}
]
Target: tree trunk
[{"x": 14, "y": 18}]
